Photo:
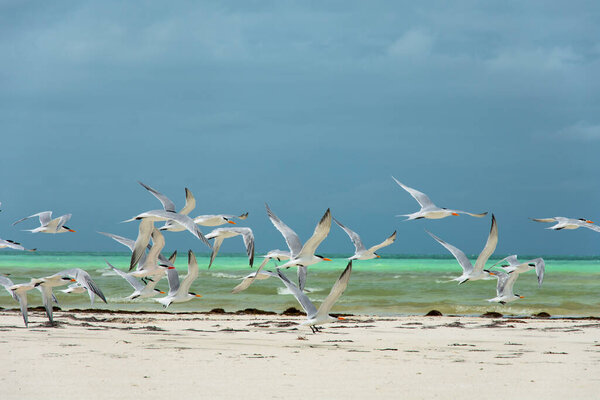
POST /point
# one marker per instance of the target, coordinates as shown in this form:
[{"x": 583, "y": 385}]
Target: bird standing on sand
[
  {"x": 428, "y": 209},
  {"x": 470, "y": 272}
]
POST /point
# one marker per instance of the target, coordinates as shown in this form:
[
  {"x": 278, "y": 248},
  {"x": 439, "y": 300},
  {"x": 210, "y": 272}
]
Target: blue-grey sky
[{"x": 305, "y": 105}]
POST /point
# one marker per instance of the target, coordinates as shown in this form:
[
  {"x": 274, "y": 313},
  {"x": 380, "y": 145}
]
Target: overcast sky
[{"x": 484, "y": 106}]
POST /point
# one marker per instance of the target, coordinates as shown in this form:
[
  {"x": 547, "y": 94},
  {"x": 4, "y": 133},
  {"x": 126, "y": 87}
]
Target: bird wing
[
  {"x": 336, "y": 291},
  {"x": 320, "y": 233},
  {"x": 215, "y": 249},
  {"x": 302, "y": 272},
  {"x": 22, "y": 297},
  {"x": 47, "y": 296},
  {"x": 291, "y": 238},
  {"x": 192, "y": 274},
  {"x": 544, "y": 219},
  {"x": 385, "y": 243},
  {"x": 133, "y": 281},
  {"x": 85, "y": 280},
  {"x": 480, "y": 215},
  {"x": 302, "y": 298},
  {"x": 592, "y": 227},
  {"x": 62, "y": 220},
  {"x": 358, "y": 244},
  {"x": 457, "y": 253},
  {"x": 420, "y": 197},
  {"x": 249, "y": 279},
  {"x": 141, "y": 242},
  {"x": 168, "y": 205},
  {"x": 540, "y": 268},
  {"x": 190, "y": 202},
  {"x": 44, "y": 216},
  {"x": 182, "y": 220},
  {"x": 490, "y": 246}
]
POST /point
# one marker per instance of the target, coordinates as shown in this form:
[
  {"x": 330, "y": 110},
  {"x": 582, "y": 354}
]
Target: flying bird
[
  {"x": 470, "y": 272},
  {"x": 47, "y": 224},
  {"x": 221, "y": 234},
  {"x": 206, "y": 220},
  {"x": 278, "y": 255},
  {"x": 514, "y": 265},
  {"x": 361, "y": 252},
  {"x": 569, "y": 223},
  {"x": 302, "y": 256},
  {"x": 428, "y": 209},
  {"x": 179, "y": 291}
]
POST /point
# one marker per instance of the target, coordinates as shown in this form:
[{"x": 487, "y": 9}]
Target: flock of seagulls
[{"x": 147, "y": 266}]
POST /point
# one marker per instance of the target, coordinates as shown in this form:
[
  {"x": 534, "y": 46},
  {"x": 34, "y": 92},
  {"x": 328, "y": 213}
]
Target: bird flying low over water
[
  {"x": 167, "y": 214},
  {"x": 179, "y": 291},
  {"x": 361, "y": 252},
  {"x": 207, "y": 220},
  {"x": 428, "y": 209},
  {"x": 316, "y": 316},
  {"x": 302, "y": 256},
  {"x": 278, "y": 255},
  {"x": 11, "y": 244},
  {"x": 514, "y": 265},
  {"x": 470, "y": 272},
  {"x": 569, "y": 223},
  {"x": 140, "y": 290},
  {"x": 221, "y": 234},
  {"x": 47, "y": 224}
]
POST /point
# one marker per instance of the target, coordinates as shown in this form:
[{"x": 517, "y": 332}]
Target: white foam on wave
[
  {"x": 224, "y": 275},
  {"x": 285, "y": 290}
]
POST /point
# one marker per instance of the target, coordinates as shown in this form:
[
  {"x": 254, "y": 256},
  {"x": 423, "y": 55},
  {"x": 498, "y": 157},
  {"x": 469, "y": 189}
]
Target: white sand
[{"x": 125, "y": 356}]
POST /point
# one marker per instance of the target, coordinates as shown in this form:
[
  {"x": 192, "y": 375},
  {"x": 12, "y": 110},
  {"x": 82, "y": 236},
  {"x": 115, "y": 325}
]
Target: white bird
[
  {"x": 514, "y": 265},
  {"x": 74, "y": 288},
  {"x": 167, "y": 214},
  {"x": 129, "y": 243},
  {"x": 19, "y": 293},
  {"x": 206, "y": 220},
  {"x": 152, "y": 268},
  {"x": 140, "y": 289},
  {"x": 319, "y": 316},
  {"x": 221, "y": 234},
  {"x": 428, "y": 209},
  {"x": 504, "y": 288},
  {"x": 361, "y": 252},
  {"x": 278, "y": 255},
  {"x": 12, "y": 245},
  {"x": 47, "y": 224},
  {"x": 179, "y": 291},
  {"x": 470, "y": 272},
  {"x": 82, "y": 278},
  {"x": 569, "y": 223},
  {"x": 45, "y": 285},
  {"x": 302, "y": 256}
]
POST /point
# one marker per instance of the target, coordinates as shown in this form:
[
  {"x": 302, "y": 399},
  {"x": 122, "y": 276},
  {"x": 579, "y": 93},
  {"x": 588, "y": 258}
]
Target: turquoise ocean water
[{"x": 385, "y": 286}]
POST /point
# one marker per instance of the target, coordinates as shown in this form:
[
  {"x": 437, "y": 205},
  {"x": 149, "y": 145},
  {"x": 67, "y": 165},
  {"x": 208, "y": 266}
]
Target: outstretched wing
[
  {"x": 457, "y": 253},
  {"x": 302, "y": 298},
  {"x": 44, "y": 216},
  {"x": 291, "y": 238},
  {"x": 320, "y": 233},
  {"x": 336, "y": 291},
  {"x": 190, "y": 202},
  {"x": 385, "y": 243},
  {"x": 490, "y": 246},
  {"x": 168, "y": 205},
  {"x": 358, "y": 244},
  {"x": 420, "y": 197}
]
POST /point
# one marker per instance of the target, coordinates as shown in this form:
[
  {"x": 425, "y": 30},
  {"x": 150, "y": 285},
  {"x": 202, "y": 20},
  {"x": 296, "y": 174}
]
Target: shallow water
[{"x": 386, "y": 286}]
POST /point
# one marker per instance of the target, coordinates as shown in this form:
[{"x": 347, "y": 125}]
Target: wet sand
[{"x": 224, "y": 356}]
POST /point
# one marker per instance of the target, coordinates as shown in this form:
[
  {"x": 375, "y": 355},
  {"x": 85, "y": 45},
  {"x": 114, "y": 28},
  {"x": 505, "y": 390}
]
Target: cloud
[
  {"x": 413, "y": 43},
  {"x": 554, "y": 58},
  {"x": 582, "y": 130}
]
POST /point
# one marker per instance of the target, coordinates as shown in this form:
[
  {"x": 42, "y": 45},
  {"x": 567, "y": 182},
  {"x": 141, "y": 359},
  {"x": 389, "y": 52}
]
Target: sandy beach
[{"x": 128, "y": 355}]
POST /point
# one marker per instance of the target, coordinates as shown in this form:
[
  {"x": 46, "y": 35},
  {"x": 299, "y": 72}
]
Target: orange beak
[
  {"x": 170, "y": 267},
  {"x": 455, "y": 214},
  {"x": 589, "y": 222},
  {"x": 198, "y": 295},
  {"x": 231, "y": 222},
  {"x": 492, "y": 273},
  {"x": 161, "y": 292},
  {"x": 326, "y": 259},
  {"x": 73, "y": 280},
  {"x": 71, "y": 230},
  {"x": 378, "y": 256},
  {"x": 341, "y": 318},
  {"x": 521, "y": 297}
]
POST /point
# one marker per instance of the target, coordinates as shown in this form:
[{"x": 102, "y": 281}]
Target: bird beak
[
  {"x": 341, "y": 318},
  {"x": 589, "y": 222},
  {"x": 231, "y": 222},
  {"x": 170, "y": 267},
  {"x": 326, "y": 259},
  {"x": 198, "y": 295},
  {"x": 71, "y": 230},
  {"x": 378, "y": 256},
  {"x": 455, "y": 214},
  {"x": 521, "y": 297},
  {"x": 492, "y": 273},
  {"x": 73, "y": 280},
  {"x": 161, "y": 292}
]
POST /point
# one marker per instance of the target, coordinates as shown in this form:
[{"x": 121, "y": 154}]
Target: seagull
[
  {"x": 428, "y": 209},
  {"x": 45, "y": 285},
  {"x": 82, "y": 278},
  {"x": 221, "y": 234},
  {"x": 320, "y": 316},
  {"x": 75, "y": 288},
  {"x": 47, "y": 224},
  {"x": 206, "y": 220},
  {"x": 361, "y": 252},
  {"x": 477, "y": 272},
  {"x": 569, "y": 223},
  {"x": 179, "y": 291},
  {"x": 131, "y": 244},
  {"x": 514, "y": 265},
  {"x": 167, "y": 214},
  {"x": 19, "y": 293},
  {"x": 12, "y": 245},
  {"x": 152, "y": 267},
  {"x": 278, "y": 255},
  {"x": 302, "y": 256},
  {"x": 504, "y": 288}
]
